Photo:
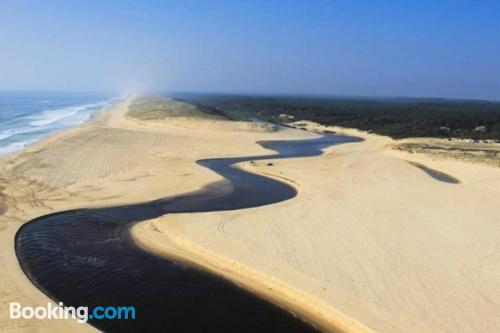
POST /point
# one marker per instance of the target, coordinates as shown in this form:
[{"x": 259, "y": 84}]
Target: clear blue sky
[{"x": 392, "y": 48}]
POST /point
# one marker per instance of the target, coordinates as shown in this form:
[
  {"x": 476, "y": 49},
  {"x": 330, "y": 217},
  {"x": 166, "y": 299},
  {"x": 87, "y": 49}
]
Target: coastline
[
  {"x": 15, "y": 285},
  {"x": 48, "y": 121},
  {"x": 50, "y": 176},
  {"x": 282, "y": 274}
]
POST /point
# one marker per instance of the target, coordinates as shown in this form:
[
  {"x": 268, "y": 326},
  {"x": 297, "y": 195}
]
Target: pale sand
[
  {"x": 370, "y": 241},
  {"x": 370, "y": 237},
  {"x": 110, "y": 160}
]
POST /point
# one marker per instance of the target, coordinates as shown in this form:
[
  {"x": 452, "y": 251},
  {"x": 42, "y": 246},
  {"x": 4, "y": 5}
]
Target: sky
[{"x": 367, "y": 48}]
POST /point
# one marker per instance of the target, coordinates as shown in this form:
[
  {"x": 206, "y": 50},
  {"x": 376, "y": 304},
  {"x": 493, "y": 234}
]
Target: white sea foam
[
  {"x": 51, "y": 116},
  {"x": 16, "y": 146},
  {"x": 5, "y": 134},
  {"x": 22, "y": 131}
]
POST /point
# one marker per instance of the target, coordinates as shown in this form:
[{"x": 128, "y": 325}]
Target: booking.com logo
[{"x": 81, "y": 313}]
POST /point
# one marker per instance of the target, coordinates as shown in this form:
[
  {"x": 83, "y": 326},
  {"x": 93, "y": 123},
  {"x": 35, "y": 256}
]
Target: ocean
[{"x": 27, "y": 117}]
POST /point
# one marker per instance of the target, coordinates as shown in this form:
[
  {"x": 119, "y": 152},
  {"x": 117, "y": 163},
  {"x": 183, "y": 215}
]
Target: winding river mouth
[{"x": 86, "y": 257}]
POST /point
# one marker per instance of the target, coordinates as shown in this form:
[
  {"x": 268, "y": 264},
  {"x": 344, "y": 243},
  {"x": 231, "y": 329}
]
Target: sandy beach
[
  {"x": 108, "y": 161},
  {"x": 371, "y": 242}
]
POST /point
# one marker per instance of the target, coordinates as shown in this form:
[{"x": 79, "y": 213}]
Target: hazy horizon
[{"x": 448, "y": 49}]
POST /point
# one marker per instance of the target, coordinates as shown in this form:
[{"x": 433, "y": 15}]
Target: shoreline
[
  {"x": 199, "y": 242},
  {"x": 41, "y": 140},
  {"x": 15, "y": 285},
  {"x": 20, "y": 209},
  {"x": 15, "y": 279}
]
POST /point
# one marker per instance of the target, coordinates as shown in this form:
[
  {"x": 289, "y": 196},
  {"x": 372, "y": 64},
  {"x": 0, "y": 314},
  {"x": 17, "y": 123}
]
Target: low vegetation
[
  {"x": 458, "y": 150},
  {"x": 156, "y": 108}
]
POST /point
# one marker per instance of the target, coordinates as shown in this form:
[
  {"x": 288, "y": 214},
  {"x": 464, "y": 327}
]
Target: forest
[{"x": 395, "y": 117}]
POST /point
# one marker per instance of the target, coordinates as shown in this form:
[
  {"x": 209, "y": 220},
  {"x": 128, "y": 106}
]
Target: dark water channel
[{"x": 86, "y": 257}]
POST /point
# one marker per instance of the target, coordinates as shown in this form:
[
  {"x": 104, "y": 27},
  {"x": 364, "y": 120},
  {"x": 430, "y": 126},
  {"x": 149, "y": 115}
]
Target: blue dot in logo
[{"x": 91, "y": 316}]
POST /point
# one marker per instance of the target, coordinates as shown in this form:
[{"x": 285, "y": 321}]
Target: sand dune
[
  {"x": 371, "y": 242},
  {"x": 370, "y": 237}
]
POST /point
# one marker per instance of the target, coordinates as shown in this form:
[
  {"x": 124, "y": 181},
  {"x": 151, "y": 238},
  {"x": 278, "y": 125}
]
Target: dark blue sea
[{"x": 27, "y": 117}]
